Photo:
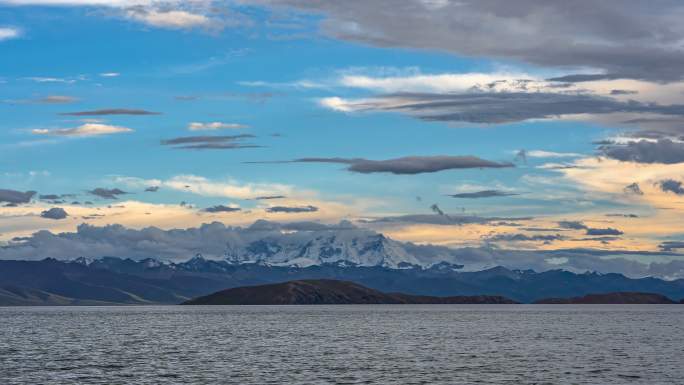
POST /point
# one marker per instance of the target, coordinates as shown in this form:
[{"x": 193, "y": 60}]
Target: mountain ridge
[
  {"x": 328, "y": 292},
  {"x": 619, "y": 298},
  {"x": 126, "y": 281}
]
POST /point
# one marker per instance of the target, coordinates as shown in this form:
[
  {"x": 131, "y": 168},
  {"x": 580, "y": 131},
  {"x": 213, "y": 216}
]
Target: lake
[{"x": 387, "y": 344}]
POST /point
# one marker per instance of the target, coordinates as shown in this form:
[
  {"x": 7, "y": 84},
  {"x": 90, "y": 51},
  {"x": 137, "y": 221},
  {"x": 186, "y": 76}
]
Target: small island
[{"x": 329, "y": 292}]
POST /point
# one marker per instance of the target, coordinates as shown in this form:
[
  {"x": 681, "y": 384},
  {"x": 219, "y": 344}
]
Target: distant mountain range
[
  {"x": 112, "y": 280},
  {"x": 329, "y": 292}
]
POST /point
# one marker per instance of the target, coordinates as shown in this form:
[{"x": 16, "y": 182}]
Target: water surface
[{"x": 389, "y": 344}]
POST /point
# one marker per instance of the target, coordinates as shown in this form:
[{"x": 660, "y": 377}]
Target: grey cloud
[
  {"x": 521, "y": 156},
  {"x": 603, "y": 142},
  {"x": 643, "y": 151},
  {"x": 606, "y": 231},
  {"x": 217, "y": 142},
  {"x": 506, "y": 237},
  {"x": 216, "y": 240},
  {"x": 107, "y": 193},
  {"x": 506, "y": 107},
  {"x": 205, "y": 139},
  {"x": 629, "y": 39},
  {"x": 671, "y": 245},
  {"x": 577, "y": 225},
  {"x": 55, "y": 213},
  {"x": 221, "y": 209},
  {"x": 573, "y": 225},
  {"x": 269, "y": 197},
  {"x": 436, "y": 209},
  {"x": 217, "y": 146},
  {"x": 92, "y": 216},
  {"x": 578, "y": 78},
  {"x": 152, "y": 189},
  {"x": 483, "y": 194},
  {"x": 671, "y": 185},
  {"x": 286, "y": 209},
  {"x": 623, "y": 92},
  {"x": 54, "y": 197},
  {"x": 623, "y": 215},
  {"x": 16, "y": 197},
  {"x": 407, "y": 165},
  {"x": 633, "y": 189},
  {"x": 111, "y": 111}
]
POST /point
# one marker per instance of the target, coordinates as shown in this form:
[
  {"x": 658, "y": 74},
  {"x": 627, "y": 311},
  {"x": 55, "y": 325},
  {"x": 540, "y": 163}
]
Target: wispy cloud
[
  {"x": 225, "y": 142},
  {"x": 496, "y": 107},
  {"x": 110, "y": 111},
  {"x": 49, "y": 79},
  {"x": 551, "y": 154},
  {"x": 168, "y": 14},
  {"x": 107, "y": 193},
  {"x": 229, "y": 188},
  {"x": 85, "y": 130},
  {"x": 8, "y": 33},
  {"x": 483, "y": 194},
  {"x": 222, "y": 209},
  {"x": 198, "y": 126},
  {"x": 406, "y": 165},
  {"x": 172, "y": 19},
  {"x": 289, "y": 209},
  {"x": 50, "y": 99}
]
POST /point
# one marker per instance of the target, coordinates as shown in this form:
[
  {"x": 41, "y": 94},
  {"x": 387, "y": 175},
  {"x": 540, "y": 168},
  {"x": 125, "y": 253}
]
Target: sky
[{"x": 534, "y": 125}]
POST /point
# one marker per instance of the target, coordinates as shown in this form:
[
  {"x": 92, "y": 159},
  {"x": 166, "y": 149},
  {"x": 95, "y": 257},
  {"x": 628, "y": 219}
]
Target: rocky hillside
[{"x": 328, "y": 292}]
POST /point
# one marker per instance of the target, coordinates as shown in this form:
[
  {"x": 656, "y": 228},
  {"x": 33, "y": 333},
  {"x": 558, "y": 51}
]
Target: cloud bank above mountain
[{"x": 305, "y": 243}]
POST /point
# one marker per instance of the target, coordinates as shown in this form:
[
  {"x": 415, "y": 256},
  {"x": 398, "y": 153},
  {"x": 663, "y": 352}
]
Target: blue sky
[{"x": 310, "y": 80}]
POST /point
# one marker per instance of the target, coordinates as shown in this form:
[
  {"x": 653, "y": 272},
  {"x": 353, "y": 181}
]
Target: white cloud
[
  {"x": 338, "y": 104},
  {"x": 170, "y": 19},
  {"x": 197, "y": 126},
  {"x": 450, "y": 82},
  {"x": 172, "y": 14},
  {"x": 110, "y": 74},
  {"x": 551, "y": 154},
  {"x": 45, "y": 79},
  {"x": 202, "y": 186},
  {"x": 88, "y": 129},
  {"x": 9, "y": 33}
]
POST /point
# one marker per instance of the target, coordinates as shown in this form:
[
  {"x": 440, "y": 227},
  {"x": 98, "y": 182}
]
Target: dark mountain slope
[
  {"x": 325, "y": 291},
  {"x": 137, "y": 282},
  {"x": 623, "y": 298}
]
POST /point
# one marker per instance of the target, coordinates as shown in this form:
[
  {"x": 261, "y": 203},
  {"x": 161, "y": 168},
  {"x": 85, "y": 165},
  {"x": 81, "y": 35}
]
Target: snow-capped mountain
[
  {"x": 298, "y": 244},
  {"x": 354, "y": 246}
]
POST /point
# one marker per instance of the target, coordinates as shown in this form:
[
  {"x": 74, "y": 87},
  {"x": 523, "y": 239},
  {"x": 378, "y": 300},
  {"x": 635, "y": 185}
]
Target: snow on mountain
[
  {"x": 344, "y": 243},
  {"x": 297, "y": 244}
]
